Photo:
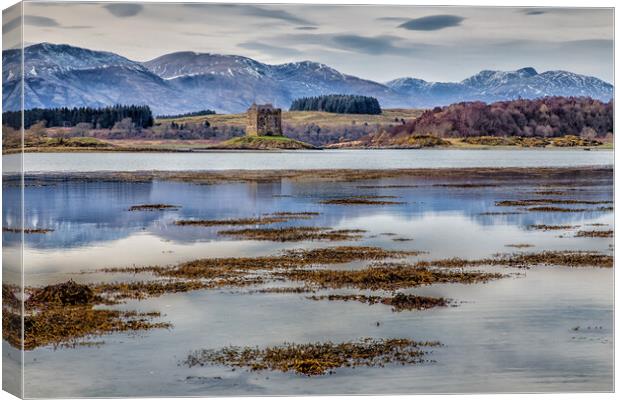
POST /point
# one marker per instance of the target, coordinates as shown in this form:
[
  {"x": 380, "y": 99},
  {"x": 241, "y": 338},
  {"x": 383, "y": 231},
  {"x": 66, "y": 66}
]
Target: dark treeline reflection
[{"x": 83, "y": 213}]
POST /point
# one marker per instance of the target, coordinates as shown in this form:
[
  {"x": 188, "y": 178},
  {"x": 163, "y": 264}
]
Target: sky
[{"x": 373, "y": 42}]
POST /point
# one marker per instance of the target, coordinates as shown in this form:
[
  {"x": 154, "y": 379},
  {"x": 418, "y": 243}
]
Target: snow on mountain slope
[
  {"x": 232, "y": 83},
  {"x": 67, "y": 76},
  {"x": 491, "y": 86},
  {"x": 63, "y": 75}
]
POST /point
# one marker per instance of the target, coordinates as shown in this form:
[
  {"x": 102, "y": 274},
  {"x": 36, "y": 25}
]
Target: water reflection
[
  {"x": 93, "y": 213},
  {"x": 508, "y": 335}
]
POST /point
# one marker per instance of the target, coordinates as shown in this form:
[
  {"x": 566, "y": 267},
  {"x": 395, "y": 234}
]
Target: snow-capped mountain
[
  {"x": 489, "y": 80},
  {"x": 63, "y": 75},
  {"x": 557, "y": 83},
  {"x": 420, "y": 93},
  {"x": 491, "y": 86},
  {"x": 307, "y": 78},
  {"x": 188, "y": 63},
  {"x": 43, "y": 60},
  {"x": 231, "y": 83}
]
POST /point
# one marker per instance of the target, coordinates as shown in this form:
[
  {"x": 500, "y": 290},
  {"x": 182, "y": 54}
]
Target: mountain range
[{"x": 62, "y": 75}]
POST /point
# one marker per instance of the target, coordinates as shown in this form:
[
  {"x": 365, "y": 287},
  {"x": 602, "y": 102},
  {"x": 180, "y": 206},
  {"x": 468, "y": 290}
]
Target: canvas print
[{"x": 221, "y": 199}]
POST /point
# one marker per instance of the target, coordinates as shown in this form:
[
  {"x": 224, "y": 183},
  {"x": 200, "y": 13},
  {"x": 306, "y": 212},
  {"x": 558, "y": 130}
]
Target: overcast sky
[{"x": 373, "y": 42}]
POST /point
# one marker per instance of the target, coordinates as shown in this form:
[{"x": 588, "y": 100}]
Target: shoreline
[
  {"x": 56, "y": 150},
  {"x": 326, "y": 175},
  {"x": 197, "y": 147}
]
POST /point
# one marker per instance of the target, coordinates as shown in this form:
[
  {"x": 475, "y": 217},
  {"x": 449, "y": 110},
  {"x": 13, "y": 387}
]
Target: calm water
[
  {"x": 514, "y": 334},
  {"x": 355, "y": 159}
]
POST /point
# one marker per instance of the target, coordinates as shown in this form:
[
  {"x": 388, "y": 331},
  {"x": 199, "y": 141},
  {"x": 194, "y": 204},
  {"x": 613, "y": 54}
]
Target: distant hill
[
  {"x": 547, "y": 117},
  {"x": 490, "y": 86},
  {"x": 67, "y": 76},
  {"x": 230, "y": 84},
  {"x": 182, "y": 82}
]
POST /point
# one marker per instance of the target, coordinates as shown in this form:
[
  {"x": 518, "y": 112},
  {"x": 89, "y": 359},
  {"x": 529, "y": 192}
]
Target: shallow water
[
  {"x": 514, "y": 334},
  {"x": 311, "y": 159}
]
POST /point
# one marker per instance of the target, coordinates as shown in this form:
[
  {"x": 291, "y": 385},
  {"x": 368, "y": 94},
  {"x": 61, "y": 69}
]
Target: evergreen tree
[
  {"x": 103, "y": 118},
  {"x": 338, "y": 103}
]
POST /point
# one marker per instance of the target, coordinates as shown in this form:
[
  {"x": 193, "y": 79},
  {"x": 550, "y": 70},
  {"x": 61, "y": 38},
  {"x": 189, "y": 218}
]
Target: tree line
[
  {"x": 338, "y": 103},
  {"x": 543, "y": 117},
  {"x": 100, "y": 118},
  {"x": 189, "y": 114}
]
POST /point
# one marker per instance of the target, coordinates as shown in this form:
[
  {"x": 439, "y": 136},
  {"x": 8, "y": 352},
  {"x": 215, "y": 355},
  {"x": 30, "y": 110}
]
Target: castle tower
[{"x": 264, "y": 120}]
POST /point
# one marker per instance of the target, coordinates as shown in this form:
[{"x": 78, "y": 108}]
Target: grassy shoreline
[
  {"x": 198, "y": 148},
  {"x": 506, "y": 175}
]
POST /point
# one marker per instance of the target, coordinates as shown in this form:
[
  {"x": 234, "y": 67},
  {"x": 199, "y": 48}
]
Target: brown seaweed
[
  {"x": 296, "y": 234},
  {"x": 153, "y": 207},
  {"x": 543, "y": 227},
  {"x": 595, "y": 234},
  {"x": 532, "y": 202},
  {"x": 64, "y": 325},
  {"x": 26, "y": 230},
  {"x": 399, "y": 301},
  {"x": 357, "y": 201},
  {"x": 315, "y": 358},
  {"x": 385, "y": 276},
  {"x": 238, "y": 221}
]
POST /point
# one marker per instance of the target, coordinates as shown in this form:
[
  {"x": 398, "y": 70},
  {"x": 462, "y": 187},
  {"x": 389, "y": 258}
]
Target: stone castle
[{"x": 264, "y": 120}]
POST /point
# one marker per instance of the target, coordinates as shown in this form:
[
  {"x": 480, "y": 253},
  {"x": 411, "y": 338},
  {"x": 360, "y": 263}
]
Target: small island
[
  {"x": 263, "y": 143},
  {"x": 263, "y": 132}
]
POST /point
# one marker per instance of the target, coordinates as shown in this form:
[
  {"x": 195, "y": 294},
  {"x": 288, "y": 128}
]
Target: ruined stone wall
[
  {"x": 251, "y": 128},
  {"x": 264, "y": 121}
]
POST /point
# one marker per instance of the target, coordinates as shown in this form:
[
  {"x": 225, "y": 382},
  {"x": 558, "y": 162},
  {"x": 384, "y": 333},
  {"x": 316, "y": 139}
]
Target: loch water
[{"x": 544, "y": 329}]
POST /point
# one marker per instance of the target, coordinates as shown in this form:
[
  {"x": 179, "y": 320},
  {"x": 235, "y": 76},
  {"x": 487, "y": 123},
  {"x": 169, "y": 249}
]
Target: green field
[
  {"x": 263, "y": 143},
  {"x": 308, "y": 117}
]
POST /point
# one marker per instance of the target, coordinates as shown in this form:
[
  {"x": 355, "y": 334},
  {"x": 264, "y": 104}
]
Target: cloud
[
  {"x": 555, "y": 10},
  {"x": 39, "y": 21},
  {"x": 306, "y": 28},
  {"x": 432, "y": 22},
  {"x": 123, "y": 10},
  {"x": 271, "y": 50},
  {"x": 534, "y": 12},
  {"x": 273, "y": 13},
  {"x": 393, "y": 19},
  {"x": 35, "y": 20},
  {"x": 366, "y": 44},
  {"x": 256, "y": 11},
  {"x": 50, "y": 4},
  {"x": 77, "y": 27},
  {"x": 12, "y": 24},
  {"x": 373, "y": 45},
  {"x": 197, "y": 34}
]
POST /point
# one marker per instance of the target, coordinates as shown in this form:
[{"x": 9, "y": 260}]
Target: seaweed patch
[
  {"x": 296, "y": 234},
  {"x": 543, "y": 227},
  {"x": 63, "y": 315},
  {"x": 399, "y": 301},
  {"x": 362, "y": 200},
  {"x": 532, "y": 202},
  {"x": 65, "y": 325},
  {"x": 153, "y": 207},
  {"x": 315, "y": 358},
  {"x": 230, "y": 222},
  {"x": 595, "y": 234},
  {"x": 568, "y": 210},
  {"x": 385, "y": 276},
  {"x": 26, "y": 230}
]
